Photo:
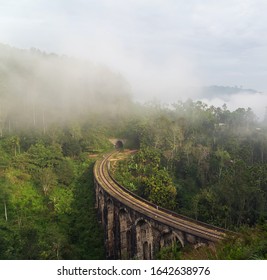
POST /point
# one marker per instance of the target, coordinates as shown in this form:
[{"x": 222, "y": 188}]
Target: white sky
[{"x": 160, "y": 46}]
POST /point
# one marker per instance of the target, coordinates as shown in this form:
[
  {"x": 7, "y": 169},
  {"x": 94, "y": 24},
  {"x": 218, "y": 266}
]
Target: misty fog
[
  {"x": 149, "y": 50},
  {"x": 38, "y": 88}
]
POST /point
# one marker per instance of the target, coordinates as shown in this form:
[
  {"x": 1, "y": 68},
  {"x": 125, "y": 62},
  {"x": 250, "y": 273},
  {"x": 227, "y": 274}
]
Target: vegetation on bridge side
[
  {"x": 217, "y": 162},
  {"x": 251, "y": 244},
  {"x": 214, "y": 160},
  {"x": 47, "y": 200},
  {"x": 53, "y": 124},
  {"x": 143, "y": 175}
]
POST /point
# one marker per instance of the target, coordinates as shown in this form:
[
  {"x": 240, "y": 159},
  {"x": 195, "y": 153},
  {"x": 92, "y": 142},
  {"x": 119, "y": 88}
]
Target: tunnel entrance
[{"x": 119, "y": 144}]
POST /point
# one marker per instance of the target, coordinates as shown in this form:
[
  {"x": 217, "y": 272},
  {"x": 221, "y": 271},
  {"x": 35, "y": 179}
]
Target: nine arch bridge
[{"x": 136, "y": 228}]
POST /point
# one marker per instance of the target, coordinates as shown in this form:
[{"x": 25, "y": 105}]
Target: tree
[
  {"x": 223, "y": 157},
  {"x": 148, "y": 179},
  {"x": 160, "y": 190},
  {"x": 48, "y": 180},
  {"x": 62, "y": 200}
]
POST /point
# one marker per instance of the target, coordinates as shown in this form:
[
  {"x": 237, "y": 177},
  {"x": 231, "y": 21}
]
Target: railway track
[{"x": 162, "y": 215}]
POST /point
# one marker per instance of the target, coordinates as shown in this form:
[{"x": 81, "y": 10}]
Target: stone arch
[
  {"x": 144, "y": 239},
  {"x": 169, "y": 238},
  {"x": 141, "y": 220},
  {"x": 125, "y": 233}
]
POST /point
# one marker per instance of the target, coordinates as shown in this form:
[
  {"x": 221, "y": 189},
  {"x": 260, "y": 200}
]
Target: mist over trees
[
  {"x": 37, "y": 89},
  {"x": 56, "y": 116},
  {"x": 217, "y": 160},
  {"x": 54, "y": 112},
  {"x": 216, "y": 163}
]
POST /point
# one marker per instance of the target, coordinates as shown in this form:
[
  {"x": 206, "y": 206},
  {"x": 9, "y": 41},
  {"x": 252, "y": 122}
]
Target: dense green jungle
[{"x": 56, "y": 116}]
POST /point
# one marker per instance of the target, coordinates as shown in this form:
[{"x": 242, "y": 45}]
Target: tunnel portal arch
[{"x": 119, "y": 144}]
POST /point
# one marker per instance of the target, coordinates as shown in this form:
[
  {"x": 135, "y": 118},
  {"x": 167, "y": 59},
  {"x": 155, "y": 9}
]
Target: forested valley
[{"x": 56, "y": 116}]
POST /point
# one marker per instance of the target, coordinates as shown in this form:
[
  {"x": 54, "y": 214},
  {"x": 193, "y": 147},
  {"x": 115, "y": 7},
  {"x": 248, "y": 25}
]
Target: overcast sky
[{"x": 160, "y": 46}]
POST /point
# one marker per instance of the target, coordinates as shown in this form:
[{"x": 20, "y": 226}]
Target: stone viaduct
[{"x": 137, "y": 229}]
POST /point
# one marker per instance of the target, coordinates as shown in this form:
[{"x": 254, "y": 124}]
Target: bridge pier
[
  {"x": 125, "y": 234},
  {"x": 129, "y": 234},
  {"x": 134, "y": 231},
  {"x": 110, "y": 229},
  {"x": 144, "y": 239}
]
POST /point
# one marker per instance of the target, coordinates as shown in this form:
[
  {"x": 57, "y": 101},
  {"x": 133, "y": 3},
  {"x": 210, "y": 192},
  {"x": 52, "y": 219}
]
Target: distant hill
[{"x": 223, "y": 91}]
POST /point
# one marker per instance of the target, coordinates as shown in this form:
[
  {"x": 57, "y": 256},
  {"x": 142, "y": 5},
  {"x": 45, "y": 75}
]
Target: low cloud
[
  {"x": 256, "y": 101},
  {"x": 164, "y": 48}
]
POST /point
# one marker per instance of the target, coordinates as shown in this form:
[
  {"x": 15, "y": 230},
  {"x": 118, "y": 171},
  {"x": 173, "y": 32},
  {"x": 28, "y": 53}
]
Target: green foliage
[
  {"x": 62, "y": 200},
  {"x": 86, "y": 238},
  {"x": 65, "y": 172},
  {"x": 172, "y": 252},
  {"x": 251, "y": 244},
  {"x": 71, "y": 147},
  {"x": 216, "y": 159},
  {"x": 159, "y": 189},
  {"x": 144, "y": 175},
  {"x": 47, "y": 203}
]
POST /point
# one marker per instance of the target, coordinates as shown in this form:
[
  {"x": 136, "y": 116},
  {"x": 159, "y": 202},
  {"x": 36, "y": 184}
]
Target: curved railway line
[{"x": 146, "y": 208}]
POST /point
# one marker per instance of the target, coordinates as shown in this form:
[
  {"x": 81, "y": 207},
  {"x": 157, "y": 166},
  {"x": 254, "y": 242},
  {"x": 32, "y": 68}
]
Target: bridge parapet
[{"x": 137, "y": 229}]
